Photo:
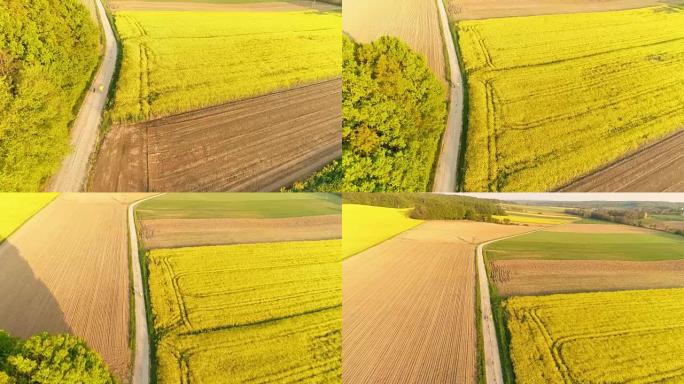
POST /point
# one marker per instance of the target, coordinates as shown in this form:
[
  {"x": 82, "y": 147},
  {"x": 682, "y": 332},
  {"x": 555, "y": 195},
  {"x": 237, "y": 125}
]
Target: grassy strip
[
  {"x": 502, "y": 334},
  {"x": 460, "y": 170},
  {"x": 106, "y": 122},
  {"x": 481, "y": 372},
  {"x": 142, "y": 254}
]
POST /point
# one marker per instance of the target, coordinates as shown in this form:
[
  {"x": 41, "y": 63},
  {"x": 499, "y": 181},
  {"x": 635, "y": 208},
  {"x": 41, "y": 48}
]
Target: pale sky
[{"x": 556, "y": 196}]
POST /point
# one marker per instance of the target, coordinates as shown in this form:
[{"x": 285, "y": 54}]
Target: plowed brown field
[
  {"x": 416, "y": 22},
  {"x": 258, "y": 144},
  {"x": 409, "y": 305},
  {"x": 485, "y": 9},
  {"x": 656, "y": 168},
  {"x": 172, "y": 233},
  {"x": 541, "y": 277},
  {"x": 275, "y": 6},
  {"x": 67, "y": 270}
]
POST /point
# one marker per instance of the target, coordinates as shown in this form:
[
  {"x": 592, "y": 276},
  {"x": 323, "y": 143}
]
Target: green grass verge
[
  {"x": 239, "y": 205},
  {"x": 589, "y": 246}
]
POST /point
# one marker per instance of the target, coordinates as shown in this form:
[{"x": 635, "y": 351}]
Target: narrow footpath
[
  {"x": 72, "y": 174},
  {"x": 141, "y": 365},
  {"x": 493, "y": 370},
  {"x": 447, "y": 164}
]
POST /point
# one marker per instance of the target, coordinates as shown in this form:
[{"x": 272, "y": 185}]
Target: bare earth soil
[
  {"x": 597, "y": 228},
  {"x": 67, "y": 270},
  {"x": 485, "y": 9},
  {"x": 409, "y": 305},
  {"x": 276, "y": 6},
  {"x": 541, "y": 277},
  {"x": 655, "y": 168},
  {"x": 258, "y": 144},
  {"x": 172, "y": 233},
  {"x": 416, "y": 22}
]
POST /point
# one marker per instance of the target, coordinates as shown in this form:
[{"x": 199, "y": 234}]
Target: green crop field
[
  {"x": 179, "y": 61},
  {"x": 364, "y": 226},
  {"x": 589, "y": 246},
  {"x": 608, "y": 337},
  {"x": 248, "y": 313},
  {"x": 555, "y": 97},
  {"x": 668, "y": 217},
  {"x": 239, "y": 205},
  {"x": 16, "y": 208}
]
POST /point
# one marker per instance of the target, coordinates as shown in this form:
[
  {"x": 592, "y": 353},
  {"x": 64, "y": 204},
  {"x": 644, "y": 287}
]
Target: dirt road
[
  {"x": 67, "y": 269},
  {"x": 257, "y": 144},
  {"x": 492, "y": 367},
  {"x": 447, "y": 165},
  {"x": 655, "y": 168},
  {"x": 72, "y": 174},
  {"x": 409, "y": 305},
  {"x": 141, "y": 366}
]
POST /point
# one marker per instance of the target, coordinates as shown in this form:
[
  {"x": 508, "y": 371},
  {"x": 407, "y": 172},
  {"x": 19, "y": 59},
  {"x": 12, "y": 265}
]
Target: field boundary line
[
  {"x": 447, "y": 162},
  {"x": 492, "y": 359},
  {"x": 141, "y": 367}
]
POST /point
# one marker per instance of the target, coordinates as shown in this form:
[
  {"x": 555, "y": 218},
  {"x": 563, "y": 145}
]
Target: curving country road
[
  {"x": 447, "y": 164},
  {"x": 141, "y": 366},
  {"x": 72, "y": 174},
  {"x": 493, "y": 371}
]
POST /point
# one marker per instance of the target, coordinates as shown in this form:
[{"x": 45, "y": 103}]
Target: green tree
[
  {"x": 394, "y": 113},
  {"x": 48, "y": 52},
  {"x": 50, "y": 359}
]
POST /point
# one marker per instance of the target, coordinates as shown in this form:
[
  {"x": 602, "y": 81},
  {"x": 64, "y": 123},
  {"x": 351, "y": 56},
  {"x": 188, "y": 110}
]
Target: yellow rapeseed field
[
  {"x": 606, "y": 337},
  {"x": 364, "y": 226},
  {"x": 16, "y": 208},
  {"x": 248, "y": 313},
  {"x": 555, "y": 97},
  {"x": 177, "y": 61}
]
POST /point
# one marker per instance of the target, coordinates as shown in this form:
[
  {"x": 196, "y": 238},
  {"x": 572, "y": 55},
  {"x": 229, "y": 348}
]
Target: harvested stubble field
[
  {"x": 656, "y": 168},
  {"x": 365, "y": 226},
  {"x": 16, "y": 208},
  {"x": 607, "y": 83},
  {"x": 67, "y": 268},
  {"x": 247, "y": 313},
  {"x": 257, "y": 144},
  {"x": 173, "y": 233},
  {"x": 409, "y": 305},
  {"x": 586, "y": 257},
  {"x": 366, "y": 21},
  {"x": 608, "y": 337},
  {"x": 486, "y": 9},
  {"x": 176, "y": 61}
]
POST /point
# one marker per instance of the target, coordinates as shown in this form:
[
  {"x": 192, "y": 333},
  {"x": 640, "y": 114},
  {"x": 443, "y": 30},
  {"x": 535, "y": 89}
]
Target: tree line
[
  {"x": 428, "y": 206},
  {"x": 48, "y": 53}
]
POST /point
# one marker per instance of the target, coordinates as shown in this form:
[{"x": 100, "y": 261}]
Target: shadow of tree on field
[{"x": 27, "y": 306}]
